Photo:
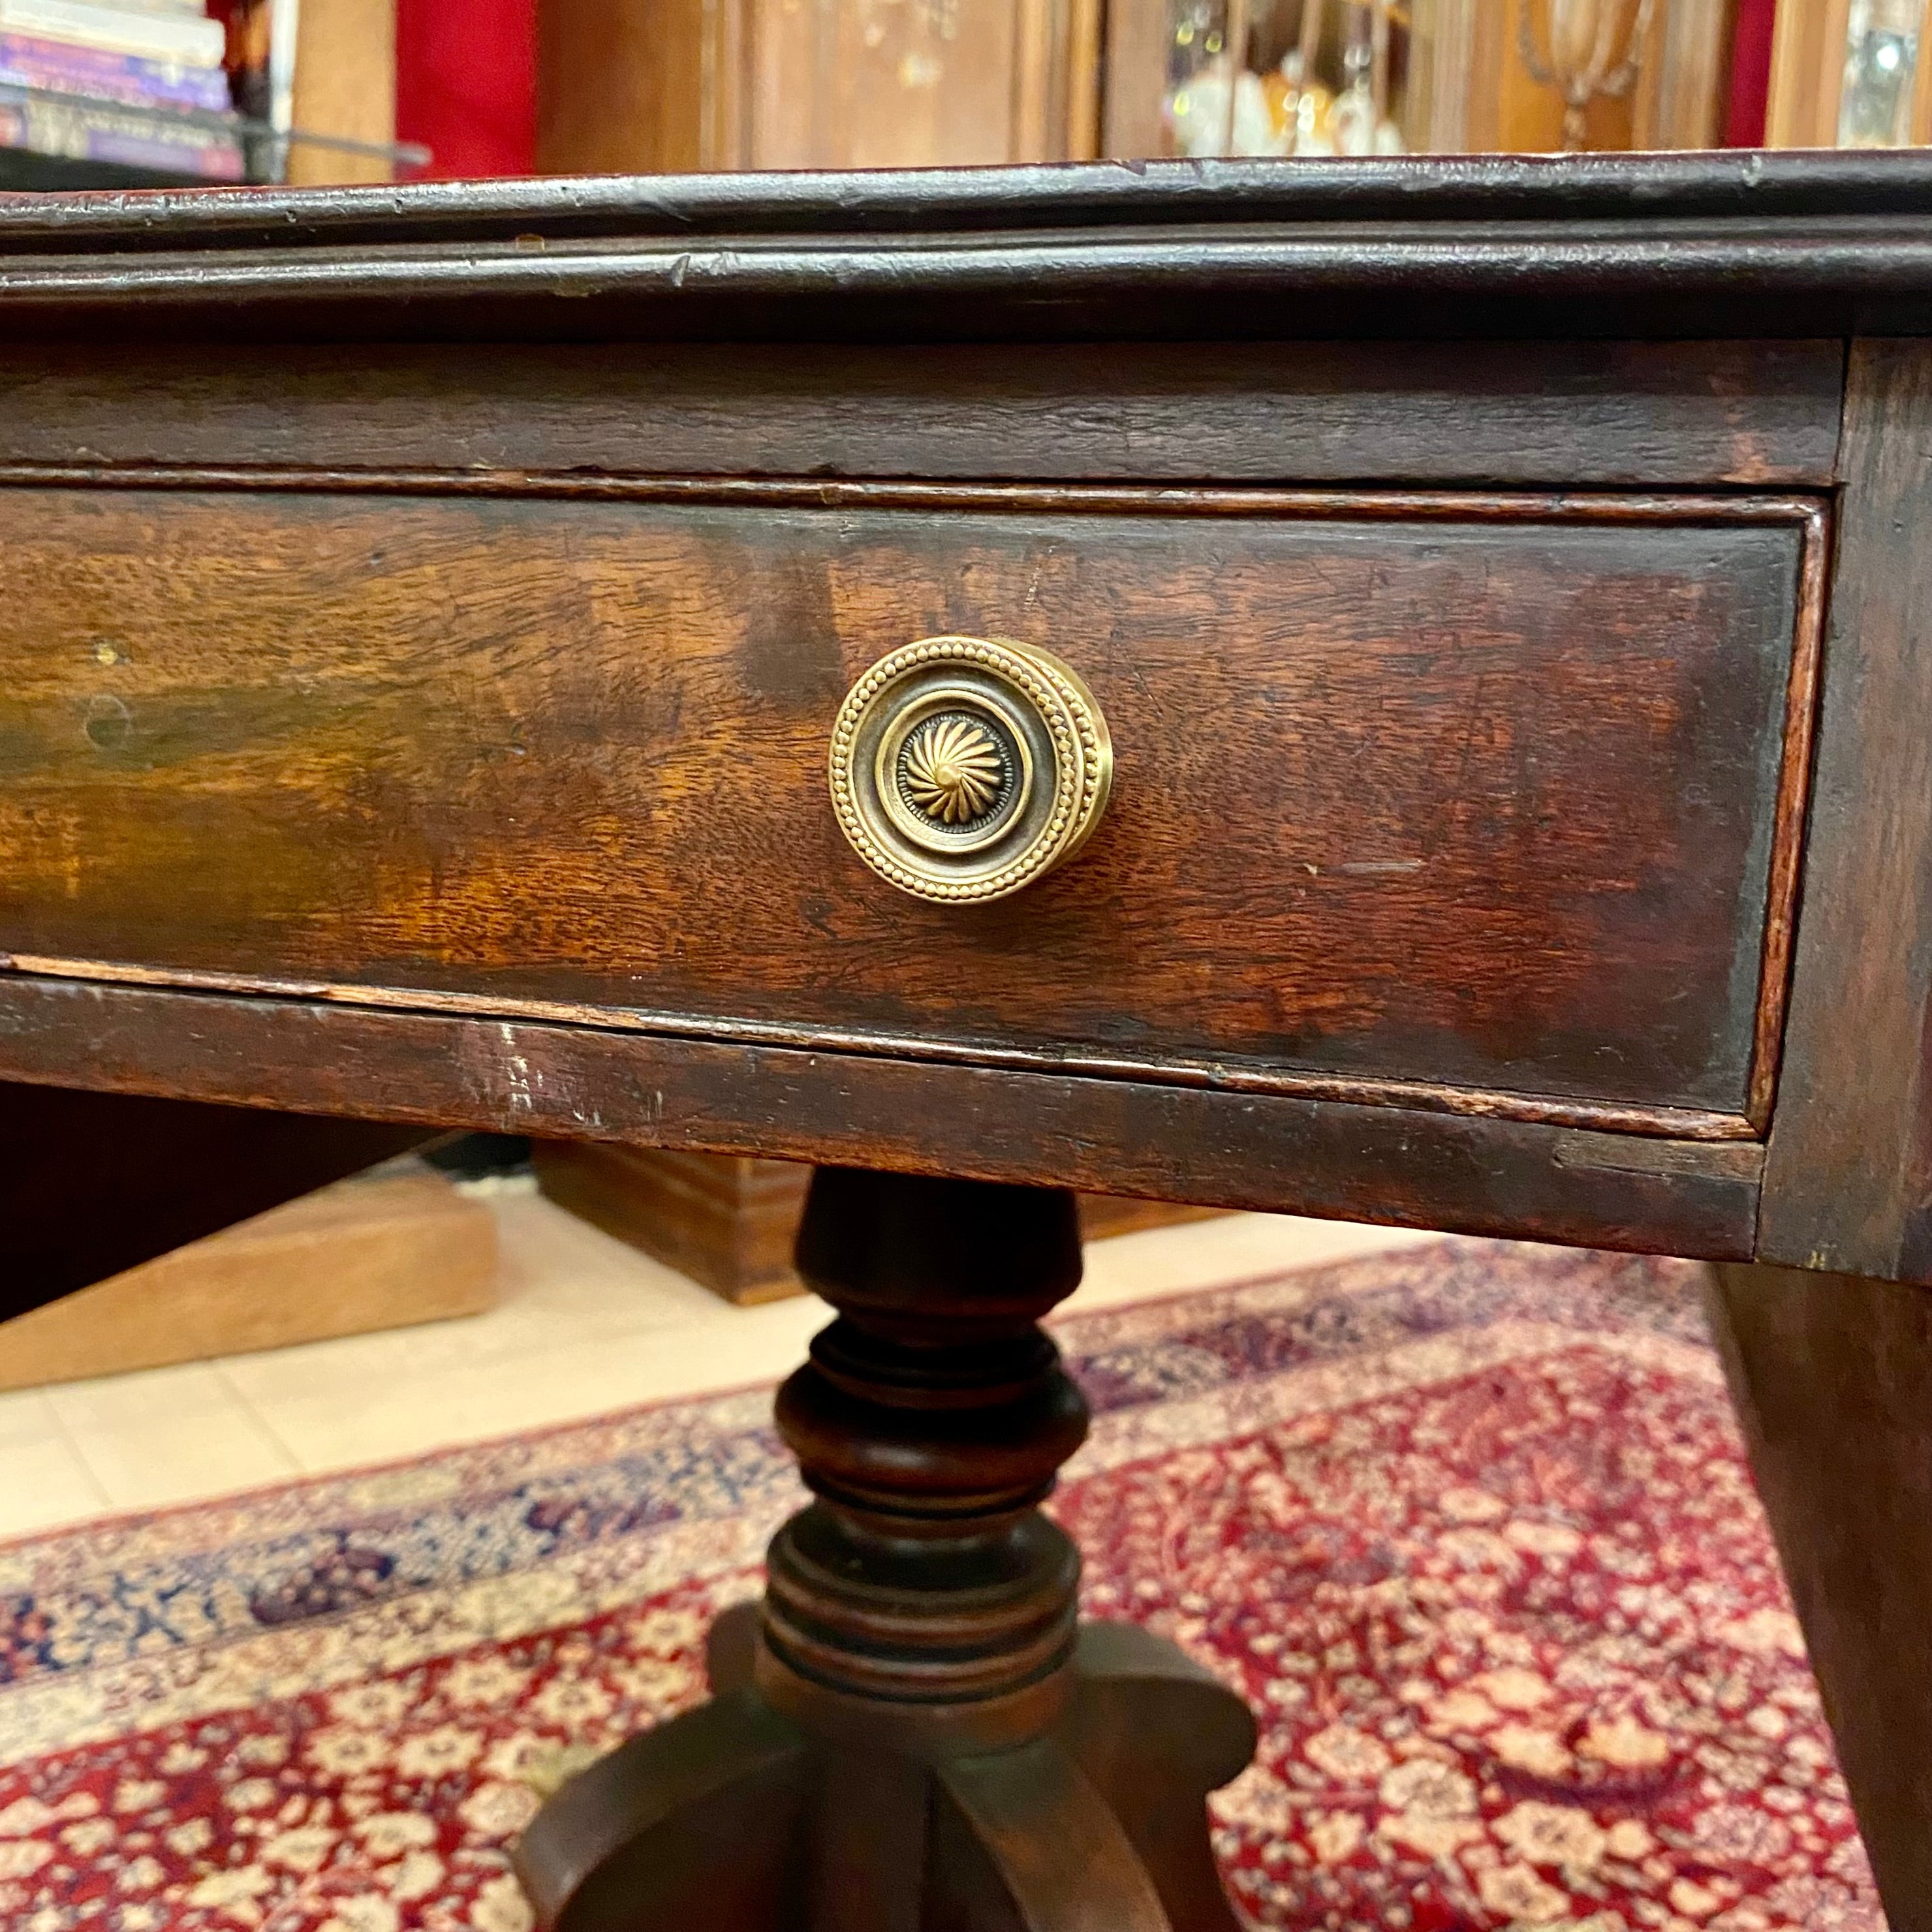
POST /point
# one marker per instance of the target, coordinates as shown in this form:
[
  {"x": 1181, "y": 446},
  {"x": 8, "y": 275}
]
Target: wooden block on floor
[
  {"x": 394, "y": 1246},
  {"x": 723, "y": 1220},
  {"x": 729, "y": 1222}
]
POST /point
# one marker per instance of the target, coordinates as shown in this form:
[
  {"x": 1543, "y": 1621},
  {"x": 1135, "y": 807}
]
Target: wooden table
[{"x": 629, "y": 659}]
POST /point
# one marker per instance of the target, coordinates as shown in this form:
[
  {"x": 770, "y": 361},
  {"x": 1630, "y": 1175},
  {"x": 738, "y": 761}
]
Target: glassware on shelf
[
  {"x": 1259, "y": 77},
  {"x": 1591, "y": 49},
  {"x": 1881, "y": 70}
]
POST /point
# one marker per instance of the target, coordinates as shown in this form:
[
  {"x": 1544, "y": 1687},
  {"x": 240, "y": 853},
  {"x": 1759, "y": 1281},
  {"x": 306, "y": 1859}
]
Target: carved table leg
[
  {"x": 1832, "y": 1378},
  {"x": 915, "y": 1736}
]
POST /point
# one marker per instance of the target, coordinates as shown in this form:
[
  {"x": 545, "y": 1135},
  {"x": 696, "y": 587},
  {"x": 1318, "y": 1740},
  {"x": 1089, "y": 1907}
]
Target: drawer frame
[{"x": 1810, "y": 514}]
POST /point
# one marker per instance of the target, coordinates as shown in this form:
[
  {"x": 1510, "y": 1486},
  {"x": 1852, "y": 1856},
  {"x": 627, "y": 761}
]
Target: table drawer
[{"x": 1486, "y": 804}]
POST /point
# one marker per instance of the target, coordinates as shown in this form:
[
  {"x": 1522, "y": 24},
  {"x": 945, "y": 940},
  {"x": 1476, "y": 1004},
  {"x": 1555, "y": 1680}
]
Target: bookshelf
[{"x": 118, "y": 93}]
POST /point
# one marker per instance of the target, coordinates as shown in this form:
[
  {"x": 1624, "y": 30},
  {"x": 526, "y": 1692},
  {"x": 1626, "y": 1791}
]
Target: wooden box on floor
[
  {"x": 387, "y": 1248},
  {"x": 730, "y": 1222}
]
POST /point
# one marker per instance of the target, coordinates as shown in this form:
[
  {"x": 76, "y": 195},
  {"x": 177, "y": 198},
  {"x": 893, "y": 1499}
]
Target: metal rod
[{"x": 1236, "y": 50}]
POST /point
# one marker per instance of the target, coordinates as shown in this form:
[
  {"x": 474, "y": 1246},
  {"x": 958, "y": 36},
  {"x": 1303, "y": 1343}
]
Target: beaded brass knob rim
[{"x": 963, "y": 769}]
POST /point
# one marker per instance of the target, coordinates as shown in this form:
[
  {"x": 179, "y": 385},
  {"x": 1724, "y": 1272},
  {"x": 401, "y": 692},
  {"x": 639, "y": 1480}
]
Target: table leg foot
[
  {"x": 733, "y": 1818},
  {"x": 912, "y": 1733},
  {"x": 1832, "y": 1378},
  {"x": 699, "y": 1823},
  {"x": 730, "y": 1648},
  {"x": 1156, "y": 1732}
]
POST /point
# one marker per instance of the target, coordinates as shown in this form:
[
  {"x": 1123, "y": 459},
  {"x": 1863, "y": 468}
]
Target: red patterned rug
[{"x": 1468, "y": 1524}]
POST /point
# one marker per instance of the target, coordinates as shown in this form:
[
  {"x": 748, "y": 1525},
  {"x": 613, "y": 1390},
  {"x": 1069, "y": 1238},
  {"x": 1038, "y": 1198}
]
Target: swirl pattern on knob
[
  {"x": 953, "y": 769},
  {"x": 964, "y": 768}
]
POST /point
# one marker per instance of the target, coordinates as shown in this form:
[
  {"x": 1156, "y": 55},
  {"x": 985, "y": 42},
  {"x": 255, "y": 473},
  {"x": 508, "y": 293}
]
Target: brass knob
[{"x": 965, "y": 768}]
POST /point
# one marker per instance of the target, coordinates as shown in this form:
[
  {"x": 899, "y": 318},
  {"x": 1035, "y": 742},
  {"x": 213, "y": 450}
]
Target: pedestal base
[
  {"x": 913, "y": 1733},
  {"x": 735, "y": 1818}
]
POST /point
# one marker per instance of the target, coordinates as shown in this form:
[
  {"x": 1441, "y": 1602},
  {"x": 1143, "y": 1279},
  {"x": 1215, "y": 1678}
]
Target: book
[
  {"x": 106, "y": 133},
  {"x": 70, "y": 68},
  {"x": 148, "y": 33}
]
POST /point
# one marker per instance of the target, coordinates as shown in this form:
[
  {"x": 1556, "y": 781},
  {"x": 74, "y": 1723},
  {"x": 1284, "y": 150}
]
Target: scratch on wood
[{"x": 1616, "y": 1154}]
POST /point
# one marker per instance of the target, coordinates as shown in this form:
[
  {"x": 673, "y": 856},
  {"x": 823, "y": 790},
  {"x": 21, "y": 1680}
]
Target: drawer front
[{"x": 1488, "y": 797}]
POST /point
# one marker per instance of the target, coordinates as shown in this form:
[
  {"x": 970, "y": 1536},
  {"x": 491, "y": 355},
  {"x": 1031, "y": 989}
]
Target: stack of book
[{"x": 136, "y": 83}]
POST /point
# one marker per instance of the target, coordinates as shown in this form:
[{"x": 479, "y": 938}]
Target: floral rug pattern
[{"x": 1468, "y": 1524}]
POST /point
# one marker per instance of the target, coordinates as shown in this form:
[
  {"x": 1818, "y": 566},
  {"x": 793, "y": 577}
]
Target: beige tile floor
[{"x": 584, "y": 1325}]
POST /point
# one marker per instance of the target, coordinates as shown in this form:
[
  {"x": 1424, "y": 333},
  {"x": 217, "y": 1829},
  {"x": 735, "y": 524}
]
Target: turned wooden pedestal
[
  {"x": 731, "y": 1222},
  {"x": 914, "y": 1733}
]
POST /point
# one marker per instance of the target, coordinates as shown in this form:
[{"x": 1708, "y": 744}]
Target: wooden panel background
[
  {"x": 651, "y": 86},
  {"x": 1482, "y": 803},
  {"x": 621, "y": 87},
  {"x": 345, "y": 84}
]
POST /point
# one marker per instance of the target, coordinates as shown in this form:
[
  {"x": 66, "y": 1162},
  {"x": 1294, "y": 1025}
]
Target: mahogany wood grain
[
  {"x": 1568, "y": 413},
  {"x": 1849, "y": 1182},
  {"x": 697, "y": 1821},
  {"x": 1832, "y": 1375},
  {"x": 1026, "y": 1844},
  {"x": 1386, "y": 1164},
  {"x": 1131, "y": 1682},
  {"x": 1478, "y": 796}
]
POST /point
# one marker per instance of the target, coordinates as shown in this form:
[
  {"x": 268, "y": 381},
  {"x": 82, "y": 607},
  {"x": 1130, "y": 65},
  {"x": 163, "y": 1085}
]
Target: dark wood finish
[
  {"x": 1023, "y": 1840},
  {"x": 1593, "y": 196},
  {"x": 1391, "y": 1164},
  {"x": 1570, "y": 414},
  {"x": 928, "y": 1423},
  {"x": 579, "y": 746},
  {"x": 1133, "y": 1685},
  {"x": 1768, "y": 275},
  {"x": 22, "y": 171},
  {"x": 924, "y": 1743},
  {"x": 1832, "y": 1378},
  {"x": 93, "y": 1183},
  {"x": 729, "y": 1222},
  {"x": 434, "y": 699},
  {"x": 1850, "y": 1164},
  {"x": 1501, "y": 245},
  {"x": 697, "y": 1823}
]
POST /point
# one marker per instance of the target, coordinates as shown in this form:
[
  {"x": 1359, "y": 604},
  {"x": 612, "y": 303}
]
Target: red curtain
[
  {"x": 467, "y": 84},
  {"x": 1750, "y": 73}
]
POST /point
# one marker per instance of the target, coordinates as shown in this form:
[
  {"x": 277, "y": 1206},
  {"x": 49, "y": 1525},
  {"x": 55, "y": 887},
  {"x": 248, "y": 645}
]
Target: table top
[
  {"x": 251, "y": 592},
  {"x": 1749, "y": 243}
]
